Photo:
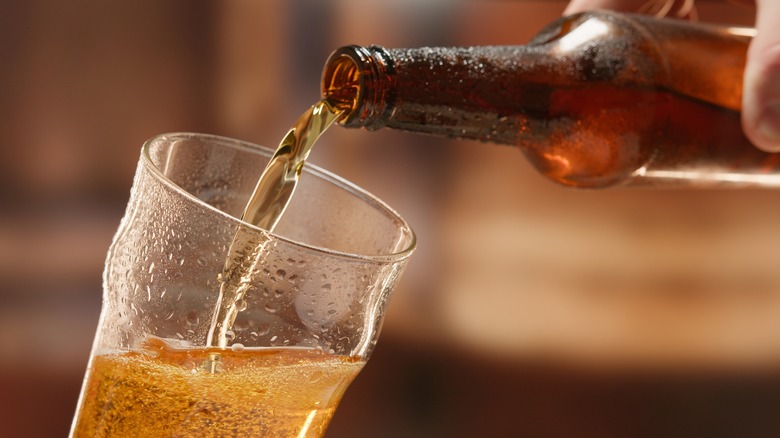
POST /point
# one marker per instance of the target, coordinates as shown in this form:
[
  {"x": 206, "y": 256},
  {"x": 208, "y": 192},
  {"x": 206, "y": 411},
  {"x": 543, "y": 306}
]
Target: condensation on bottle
[{"x": 596, "y": 99}]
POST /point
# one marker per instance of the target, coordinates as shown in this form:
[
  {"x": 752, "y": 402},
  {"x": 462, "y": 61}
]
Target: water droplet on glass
[
  {"x": 263, "y": 329},
  {"x": 271, "y": 307},
  {"x": 202, "y": 261},
  {"x": 230, "y": 335},
  {"x": 192, "y": 318},
  {"x": 240, "y": 325},
  {"x": 237, "y": 348}
]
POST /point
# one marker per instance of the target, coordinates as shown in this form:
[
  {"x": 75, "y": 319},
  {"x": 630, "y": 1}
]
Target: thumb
[{"x": 761, "y": 95}]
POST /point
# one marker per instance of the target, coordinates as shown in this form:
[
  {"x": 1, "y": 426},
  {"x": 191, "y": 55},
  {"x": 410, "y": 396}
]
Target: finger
[
  {"x": 615, "y": 5},
  {"x": 761, "y": 96}
]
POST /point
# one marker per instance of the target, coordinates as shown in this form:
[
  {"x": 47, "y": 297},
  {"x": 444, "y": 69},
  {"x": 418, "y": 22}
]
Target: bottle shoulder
[{"x": 702, "y": 62}]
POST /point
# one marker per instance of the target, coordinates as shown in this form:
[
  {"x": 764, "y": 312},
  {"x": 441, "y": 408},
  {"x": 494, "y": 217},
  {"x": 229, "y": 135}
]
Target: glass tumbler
[{"x": 178, "y": 354}]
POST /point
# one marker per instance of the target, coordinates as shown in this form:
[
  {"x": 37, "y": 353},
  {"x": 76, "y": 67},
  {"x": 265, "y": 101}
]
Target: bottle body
[{"x": 595, "y": 100}]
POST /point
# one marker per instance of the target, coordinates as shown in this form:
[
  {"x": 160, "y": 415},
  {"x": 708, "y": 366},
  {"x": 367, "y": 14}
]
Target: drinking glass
[{"x": 313, "y": 297}]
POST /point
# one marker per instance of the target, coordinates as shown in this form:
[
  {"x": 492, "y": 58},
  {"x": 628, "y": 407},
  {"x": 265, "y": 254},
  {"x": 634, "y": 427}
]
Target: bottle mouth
[
  {"x": 341, "y": 82},
  {"x": 350, "y": 83}
]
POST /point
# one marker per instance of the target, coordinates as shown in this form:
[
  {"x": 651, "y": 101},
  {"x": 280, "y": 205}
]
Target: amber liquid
[
  {"x": 161, "y": 391},
  {"x": 277, "y": 183},
  {"x": 599, "y": 136},
  {"x": 264, "y": 209}
]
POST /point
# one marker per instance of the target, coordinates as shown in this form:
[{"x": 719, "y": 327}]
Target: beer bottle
[{"x": 595, "y": 100}]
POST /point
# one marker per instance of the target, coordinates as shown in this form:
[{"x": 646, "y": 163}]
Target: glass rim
[{"x": 309, "y": 168}]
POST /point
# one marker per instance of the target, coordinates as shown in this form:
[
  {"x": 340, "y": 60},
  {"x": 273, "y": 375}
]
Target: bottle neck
[
  {"x": 441, "y": 91},
  {"x": 360, "y": 81}
]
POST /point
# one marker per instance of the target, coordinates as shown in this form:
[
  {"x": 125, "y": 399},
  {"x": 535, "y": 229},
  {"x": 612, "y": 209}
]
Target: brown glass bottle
[{"x": 596, "y": 99}]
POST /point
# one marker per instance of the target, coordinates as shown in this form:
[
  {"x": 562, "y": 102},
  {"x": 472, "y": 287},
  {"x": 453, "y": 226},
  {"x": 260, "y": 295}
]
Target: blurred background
[{"x": 528, "y": 310}]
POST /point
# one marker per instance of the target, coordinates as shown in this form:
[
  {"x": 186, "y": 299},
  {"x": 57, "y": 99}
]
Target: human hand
[{"x": 761, "y": 92}]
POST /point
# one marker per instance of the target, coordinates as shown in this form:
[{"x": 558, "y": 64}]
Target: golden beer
[{"x": 162, "y": 391}]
